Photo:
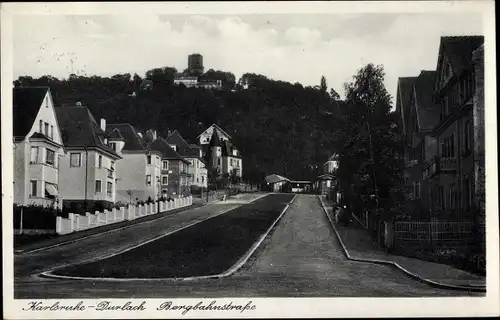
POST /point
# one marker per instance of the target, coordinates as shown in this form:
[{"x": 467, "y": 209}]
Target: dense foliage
[
  {"x": 368, "y": 143},
  {"x": 279, "y": 127}
]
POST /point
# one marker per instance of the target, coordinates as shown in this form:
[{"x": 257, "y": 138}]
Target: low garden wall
[{"x": 77, "y": 222}]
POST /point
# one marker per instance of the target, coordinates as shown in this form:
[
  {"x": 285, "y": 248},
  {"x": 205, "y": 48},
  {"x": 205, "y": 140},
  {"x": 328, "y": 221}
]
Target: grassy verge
[{"x": 207, "y": 248}]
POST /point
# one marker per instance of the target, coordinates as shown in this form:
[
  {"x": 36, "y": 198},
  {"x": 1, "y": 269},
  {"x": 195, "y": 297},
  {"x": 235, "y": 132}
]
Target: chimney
[
  {"x": 103, "y": 124},
  {"x": 154, "y": 135}
]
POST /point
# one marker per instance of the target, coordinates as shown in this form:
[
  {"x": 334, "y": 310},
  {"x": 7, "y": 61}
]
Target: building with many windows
[
  {"x": 451, "y": 172},
  {"x": 88, "y": 166},
  {"x": 139, "y": 170},
  {"x": 37, "y": 147},
  {"x": 193, "y": 154},
  {"x": 442, "y": 116},
  {"x": 175, "y": 173},
  {"x": 219, "y": 151}
]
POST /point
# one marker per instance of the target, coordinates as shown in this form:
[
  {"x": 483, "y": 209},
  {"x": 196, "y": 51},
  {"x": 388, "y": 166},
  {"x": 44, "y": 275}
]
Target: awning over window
[{"x": 51, "y": 189}]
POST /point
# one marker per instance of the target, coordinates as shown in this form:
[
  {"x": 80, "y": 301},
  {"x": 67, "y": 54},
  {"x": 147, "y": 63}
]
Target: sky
[{"x": 289, "y": 47}]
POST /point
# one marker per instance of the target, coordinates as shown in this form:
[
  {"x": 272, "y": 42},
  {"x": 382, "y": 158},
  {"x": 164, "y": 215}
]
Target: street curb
[
  {"x": 398, "y": 266},
  {"x": 22, "y": 252},
  {"x": 227, "y": 273}
]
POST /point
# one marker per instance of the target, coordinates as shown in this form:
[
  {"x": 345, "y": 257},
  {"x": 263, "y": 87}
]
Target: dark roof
[
  {"x": 79, "y": 129},
  {"x": 403, "y": 99},
  {"x": 459, "y": 50},
  {"x": 427, "y": 111},
  {"x": 227, "y": 149},
  {"x": 116, "y": 135},
  {"x": 215, "y": 141},
  {"x": 26, "y": 103},
  {"x": 195, "y": 146},
  {"x": 183, "y": 148},
  {"x": 132, "y": 140},
  {"x": 167, "y": 152}
]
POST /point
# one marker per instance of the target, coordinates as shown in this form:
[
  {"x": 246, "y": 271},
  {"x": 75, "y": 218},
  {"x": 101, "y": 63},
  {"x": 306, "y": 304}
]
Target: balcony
[
  {"x": 431, "y": 169},
  {"x": 411, "y": 163},
  {"x": 439, "y": 165},
  {"x": 448, "y": 164}
]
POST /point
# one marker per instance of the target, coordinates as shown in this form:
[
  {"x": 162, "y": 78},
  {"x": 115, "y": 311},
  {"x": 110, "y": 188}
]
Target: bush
[{"x": 35, "y": 217}]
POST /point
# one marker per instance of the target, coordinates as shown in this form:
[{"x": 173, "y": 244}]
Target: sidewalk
[
  {"x": 359, "y": 246},
  {"x": 80, "y": 235},
  {"x": 74, "y": 236}
]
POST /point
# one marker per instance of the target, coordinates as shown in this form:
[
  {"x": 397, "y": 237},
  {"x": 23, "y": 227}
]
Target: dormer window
[{"x": 173, "y": 146}]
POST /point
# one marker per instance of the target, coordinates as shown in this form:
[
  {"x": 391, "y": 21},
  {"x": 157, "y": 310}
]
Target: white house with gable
[{"x": 37, "y": 147}]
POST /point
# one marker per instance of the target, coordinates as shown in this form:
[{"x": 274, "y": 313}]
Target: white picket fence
[{"x": 77, "y": 222}]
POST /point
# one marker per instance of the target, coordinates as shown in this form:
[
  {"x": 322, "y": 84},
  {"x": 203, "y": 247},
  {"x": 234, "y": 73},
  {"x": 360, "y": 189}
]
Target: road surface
[{"x": 301, "y": 257}]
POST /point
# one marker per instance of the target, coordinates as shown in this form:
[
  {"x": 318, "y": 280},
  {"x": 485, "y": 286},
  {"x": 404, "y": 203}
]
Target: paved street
[{"x": 301, "y": 257}]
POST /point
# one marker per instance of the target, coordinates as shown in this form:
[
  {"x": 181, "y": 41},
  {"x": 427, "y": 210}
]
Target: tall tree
[
  {"x": 323, "y": 86},
  {"x": 368, "y": 140}
]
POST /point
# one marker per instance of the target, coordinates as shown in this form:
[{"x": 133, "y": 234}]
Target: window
[
  {"x": 202, "y": 179},
  {"x": 165, "y": 165},
  {"x": 98, "y": 186},
  {"x": 41, "y": 127},
  {"x": 231, "y": 162},
  {"x": 149, "y": 159},
  {"x": 441, "y": 196},
  {"x": 467, "y": 193},
  {"x": 448, "y": 147},
  {"x": 218, "y": 161},
  {"x": 52, "y": 132},
  {"x": 109, "y": 189},
  {"x": 99, "y": 162},
  {"x": 49, "y": 156},
  {"x": 164, "y": 180},
  {"x": 34, "y": 155},
  {"x": 112, "y": 166},
  {"x": 468, "y": 136},
  {"x": 416, "y": 189},
  {"x": 148, "y": 180},
  {"x": 46, "y": 129},
  {"x": 112, "y": 145},
  {"x": 173, "y": 146},
  {"x": 75, "y": 159},
  {"x": 33, "y": 191}
]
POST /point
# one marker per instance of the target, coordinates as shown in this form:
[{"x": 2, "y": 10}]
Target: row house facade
[
  {"x": 193, "y": 154},
  {"x": 88, "y": 166},
  {"x": 139, "y": 170},
  {"x": 38, "y": 147},
  {"x": 175, "y": 174},
  {"x": 443, "y": 131}
]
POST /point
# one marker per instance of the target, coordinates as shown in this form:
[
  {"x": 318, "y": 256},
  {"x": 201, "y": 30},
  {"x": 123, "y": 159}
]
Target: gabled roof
[
  {"x": 427, "y": 111},
  {"x": 215, "y": 126},
  {"x": 183, "y": 148},
  {"x": 79, "y": 129},
  {"x": 459, "y": 50},
  {"x": 26, "y": 104},
  {"x": 132, "y": 140},
  {"x": 161, "y": 145},
  {"x": 403, "y": 98},
  {"x": 274, "y": 178}
]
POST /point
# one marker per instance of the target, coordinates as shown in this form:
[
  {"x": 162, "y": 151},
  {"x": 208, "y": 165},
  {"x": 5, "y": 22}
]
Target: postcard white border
[{"x": 267, "y": 307}]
